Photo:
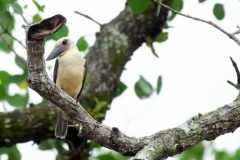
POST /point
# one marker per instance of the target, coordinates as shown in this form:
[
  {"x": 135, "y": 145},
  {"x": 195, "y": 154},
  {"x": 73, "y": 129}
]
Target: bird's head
[{"x": 62, "y": 45}]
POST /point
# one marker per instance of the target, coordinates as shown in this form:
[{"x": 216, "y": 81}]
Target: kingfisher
[{"x": 69, "y": 74}]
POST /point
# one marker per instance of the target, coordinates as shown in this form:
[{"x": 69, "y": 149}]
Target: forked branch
[
  {"x": 230, "y": 35},
  {"x": 159, "y": 145}
]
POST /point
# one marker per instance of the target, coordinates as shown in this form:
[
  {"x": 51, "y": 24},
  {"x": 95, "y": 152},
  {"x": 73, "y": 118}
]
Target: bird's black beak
[{"x": 57, "y": 50}]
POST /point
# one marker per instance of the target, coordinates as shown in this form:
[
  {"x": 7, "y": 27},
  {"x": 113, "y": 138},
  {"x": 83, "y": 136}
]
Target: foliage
[
  {"x": 138, "y": 6},
  {"x": 9, "y": 9},
  {"x": 111, "y": 155},
  {"x": 218, "y": 11},
  {"x": 82, "y": 44},
  {"x": 143, "y": 88},
  {"x": 199, "y": 151},
  {"x": 121, "y": 88},
  {"x": 12, "y": 152}
]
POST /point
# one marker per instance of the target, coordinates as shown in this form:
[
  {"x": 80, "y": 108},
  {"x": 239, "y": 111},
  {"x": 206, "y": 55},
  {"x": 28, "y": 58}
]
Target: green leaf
[
  {"x": 12, "y": 1},
  {"x": 99, "y": 115},
  {"x": 17, "y": 78},
  {"x": 3, "y": 93},
  {"x": 195, "y": 153},
  {"x": 161, "y": 37},
  {"x": 4, "y": 76},
  {"x": 222, "y": 155},
  {"x": 40, "y": 8},
  {"x": 153, "y": 50},
  {"x": 237, "y": 155},
  {"x": 143, "y": 88},
  {"x": 26, "y": 6},
  {"x": 9, "y": 25},
  {"x": 12, "y": 152},
  {"x": 138, "y": 6},
  {"x": 111, "y": 156},
  {"x": 18, "y": 100},
  {"x": 20, "y": 63},
  {"x": 4, "y": 84},
  {"x": 166, "y": 26},
  {"x": 159, "y": 84},
  {"x": 176, "y": 5},
  {"x": 63, "y": 32},
  {"x": 5, "y": 2},
  {"x": 82, "y": 44},
  {"x": 159, "y": 7},
  {"x": 5, "y": 17},
  {"x": 218, "y": 11},
  {"x": 17, "y": 8},
  {"x": 59, "y": 157},
  {"x": 2, "y": 6},
  {"x": 3, "y": 46},
  {"x": 47, "y": 144},
  {"x": 201, "y": 1},
  {"x": 121, "y": 88},
  {"x": 36, "y": 18}
]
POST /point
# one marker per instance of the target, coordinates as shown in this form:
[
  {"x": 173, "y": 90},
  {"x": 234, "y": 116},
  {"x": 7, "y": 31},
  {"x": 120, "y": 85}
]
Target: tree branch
[
  {"x": 115, "y": 43},
  {"x": 231, "y": 36},
  {"x": 12, "y": 49},
  {"x": 167, "y": 143},
  {"x": 35, "y": 123},
  {"x": 88, "y": 17},
  {"x": 7, "y": 32},
  {"x": 237, "y": 86}
]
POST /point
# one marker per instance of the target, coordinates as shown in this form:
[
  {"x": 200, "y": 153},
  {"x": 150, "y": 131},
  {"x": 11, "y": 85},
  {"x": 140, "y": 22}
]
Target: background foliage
[{"x": 10, "y": 9}]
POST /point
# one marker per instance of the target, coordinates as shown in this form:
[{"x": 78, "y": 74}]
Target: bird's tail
[{"x": 61, "y": 127}]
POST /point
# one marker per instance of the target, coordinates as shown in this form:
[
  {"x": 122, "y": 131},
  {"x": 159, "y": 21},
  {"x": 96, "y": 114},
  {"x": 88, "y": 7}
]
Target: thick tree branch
[
  {"x": 162, "y": 144},
  {"x": 114, "y": 45},
  {"x": 35, "y": 123}
]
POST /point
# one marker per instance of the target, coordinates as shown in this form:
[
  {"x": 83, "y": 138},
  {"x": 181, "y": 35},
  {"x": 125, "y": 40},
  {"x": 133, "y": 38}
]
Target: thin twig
[
  {"x": 15, "y": 39},
  {"x": 237, "y": 86},
  {"x": 238, "y": 31},
  {"x": 11, "y": 48},
  {"x": 231, "y": 36},
  {"x": 86, "y": 16},
  {"x": 7, "y": 32},
  {"x": 236, "y": 69},
  {"x": 24, "y": 19}
]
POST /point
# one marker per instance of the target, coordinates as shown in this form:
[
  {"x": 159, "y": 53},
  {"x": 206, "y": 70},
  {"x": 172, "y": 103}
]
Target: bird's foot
[
  {"x": 78, "y": 126},
  {"x": 79, "y": 129}
]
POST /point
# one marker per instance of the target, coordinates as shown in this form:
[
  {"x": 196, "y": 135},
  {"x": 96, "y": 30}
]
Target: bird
[{"x": 69, "y": 74}]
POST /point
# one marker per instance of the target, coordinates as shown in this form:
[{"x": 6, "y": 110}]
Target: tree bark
[
  {"x": 114, "y": 46},
  {"x": 160, "y": 145}
]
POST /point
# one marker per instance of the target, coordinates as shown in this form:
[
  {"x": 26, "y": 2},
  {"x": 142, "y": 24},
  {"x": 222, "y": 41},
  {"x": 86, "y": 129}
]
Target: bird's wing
[
  {"x": 85, "y": 74},
  {"x": 55, "y": 71}
]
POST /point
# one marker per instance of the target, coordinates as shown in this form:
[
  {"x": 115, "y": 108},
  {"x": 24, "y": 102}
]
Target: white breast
[{"x": 70, "y": 72}]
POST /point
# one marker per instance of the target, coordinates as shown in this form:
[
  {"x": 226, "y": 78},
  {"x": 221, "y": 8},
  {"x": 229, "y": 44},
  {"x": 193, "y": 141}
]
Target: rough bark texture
[
  {"x": 35, "y": 123},
  {"x": 113, "y": 48},
  {"x": 114, "y": 45},
  {"x": 160, "y": 145}
]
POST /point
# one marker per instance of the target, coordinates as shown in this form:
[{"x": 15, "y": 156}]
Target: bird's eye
[{"x": 64, "y": 42}]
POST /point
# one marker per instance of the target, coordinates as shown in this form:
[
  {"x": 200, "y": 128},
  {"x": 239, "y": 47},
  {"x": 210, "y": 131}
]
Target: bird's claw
[{"x": 80, "y": 129}]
